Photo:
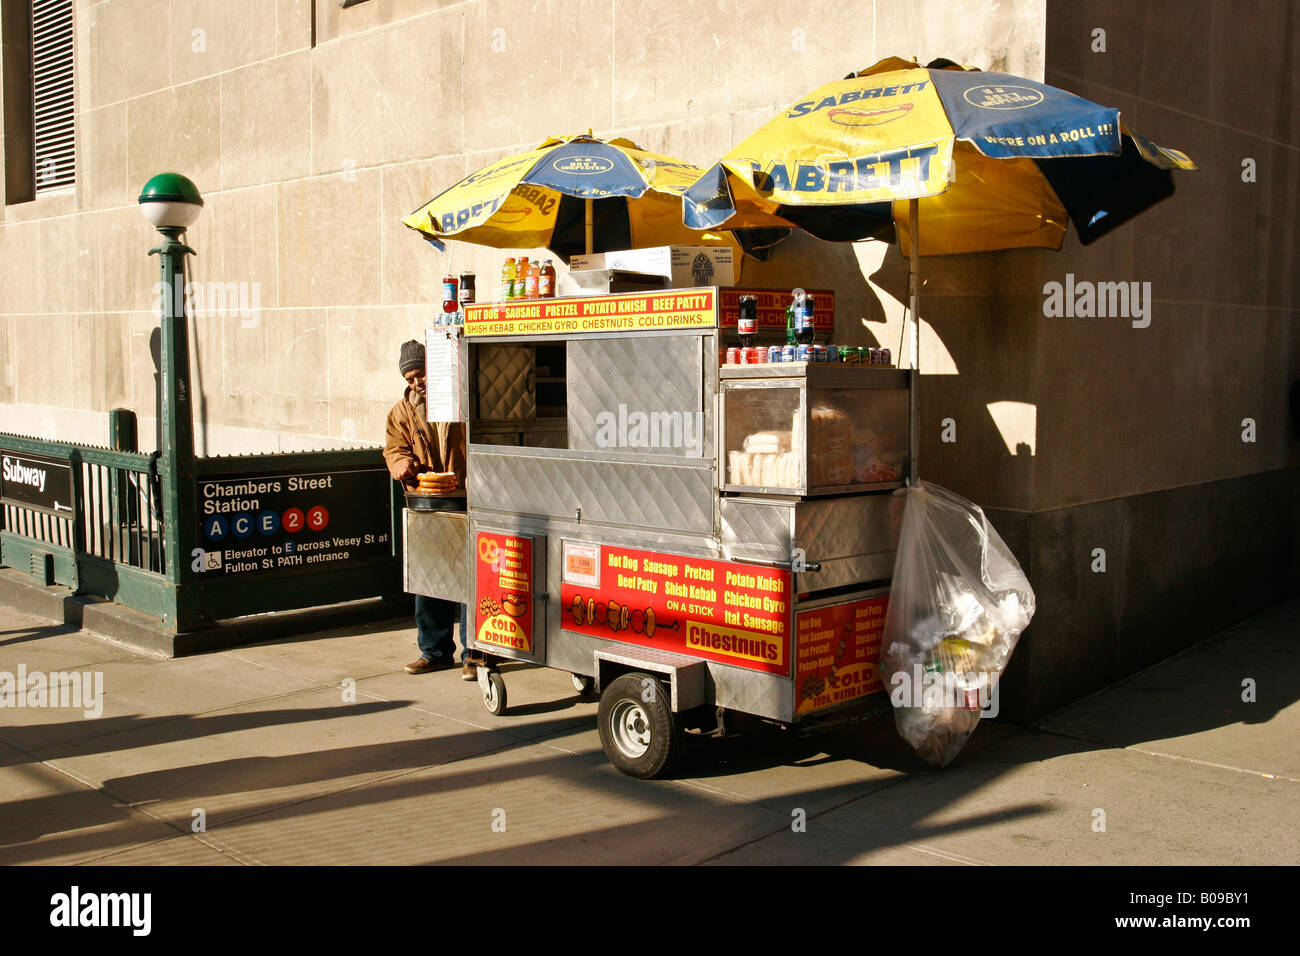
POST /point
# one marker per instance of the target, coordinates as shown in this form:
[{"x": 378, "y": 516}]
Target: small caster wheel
[
  {"x": 584, "y": 685},
  {"x": 493, "y": 686}
]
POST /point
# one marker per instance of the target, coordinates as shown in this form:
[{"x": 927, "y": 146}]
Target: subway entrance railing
[{"x": 251, "y": 533}]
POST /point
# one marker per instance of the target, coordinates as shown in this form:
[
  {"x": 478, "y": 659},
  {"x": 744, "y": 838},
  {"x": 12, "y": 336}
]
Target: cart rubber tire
[
  {"x": 494, "y": 699},
  {"x": 638, "y": 729},
  {"x": 584, "y": 685}
]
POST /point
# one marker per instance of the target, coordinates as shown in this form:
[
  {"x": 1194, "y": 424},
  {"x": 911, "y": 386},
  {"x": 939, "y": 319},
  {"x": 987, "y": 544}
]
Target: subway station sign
[
  {"x": 267, "y": 522},
  {"x": 635, "y": 312},
  {"x": 36, "y": 482}
]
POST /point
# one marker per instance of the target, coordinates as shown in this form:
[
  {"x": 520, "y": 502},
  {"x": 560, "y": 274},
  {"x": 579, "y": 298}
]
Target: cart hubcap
[{"x": 631, "y": 728}]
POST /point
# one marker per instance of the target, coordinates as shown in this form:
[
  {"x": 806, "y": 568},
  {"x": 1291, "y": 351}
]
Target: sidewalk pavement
[{"x": 320, "y": 749}]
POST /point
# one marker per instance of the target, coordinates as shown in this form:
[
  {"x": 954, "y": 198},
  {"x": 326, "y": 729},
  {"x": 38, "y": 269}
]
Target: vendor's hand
[{"x": 409, "y": 470}]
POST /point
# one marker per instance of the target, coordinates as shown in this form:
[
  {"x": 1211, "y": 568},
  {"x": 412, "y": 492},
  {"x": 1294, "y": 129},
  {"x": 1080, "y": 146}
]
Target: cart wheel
[
  {"x": 493, "y": 686},
  {"x": 637, "y": 727},
  {"x": 583, "y": 684}
]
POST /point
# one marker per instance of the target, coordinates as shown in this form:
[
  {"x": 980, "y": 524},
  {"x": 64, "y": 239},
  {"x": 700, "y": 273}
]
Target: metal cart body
[{"x": 617, "y": 542}]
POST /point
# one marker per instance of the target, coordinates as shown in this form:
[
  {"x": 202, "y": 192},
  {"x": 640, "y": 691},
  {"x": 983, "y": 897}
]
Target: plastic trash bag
[{"x": 958, "y": 604}]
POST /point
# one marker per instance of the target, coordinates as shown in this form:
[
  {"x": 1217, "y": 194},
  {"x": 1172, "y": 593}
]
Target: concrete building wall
[{"x": 311, "y": 130}]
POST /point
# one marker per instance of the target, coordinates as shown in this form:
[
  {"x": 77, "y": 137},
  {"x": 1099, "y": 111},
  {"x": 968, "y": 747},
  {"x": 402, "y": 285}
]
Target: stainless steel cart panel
[
  {"x": 643, "y": 491},
  {"x": 660, "y": 377},
  {"x": 506, "y": 382},
  {"x": 849, "y": 537},
  {"x": 435, "y": 554}
]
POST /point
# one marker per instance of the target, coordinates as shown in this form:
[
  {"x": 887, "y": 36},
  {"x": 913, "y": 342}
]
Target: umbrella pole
[
  {"x": 914, "y": 295},
  {"x": 590, "y": 227}
]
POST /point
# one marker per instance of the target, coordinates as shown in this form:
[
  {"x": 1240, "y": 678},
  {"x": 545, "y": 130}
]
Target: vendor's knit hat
[{"x": 412, "y": 356}]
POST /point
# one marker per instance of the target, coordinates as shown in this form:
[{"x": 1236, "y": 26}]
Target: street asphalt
[{"x": 320, "y": 749}]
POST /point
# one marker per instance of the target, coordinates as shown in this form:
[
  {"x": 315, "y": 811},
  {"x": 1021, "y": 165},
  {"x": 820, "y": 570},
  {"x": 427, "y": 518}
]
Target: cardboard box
[{"x": 684, "y": 266}]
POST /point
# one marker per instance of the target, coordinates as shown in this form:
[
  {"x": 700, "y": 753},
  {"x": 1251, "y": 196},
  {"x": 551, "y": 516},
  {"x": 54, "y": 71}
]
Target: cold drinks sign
[{"x": 252, "y": 524}]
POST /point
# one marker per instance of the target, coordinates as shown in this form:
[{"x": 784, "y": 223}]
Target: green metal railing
[
  {"x": 112, "y": 543},
  {"x": 116, "y": 543}
]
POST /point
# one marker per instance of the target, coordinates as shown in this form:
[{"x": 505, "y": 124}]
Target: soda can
[
  {"x": 774, "y": 353},
  {"x": 848, "y": 355},
  {"x": 821, "y": 353},
  {"x": 789, "y": 353},
  {"x": 885, "y": 358},
  {"x": 752, "y": 356},
  {"x": 733, "y": 356},
  {"x": 805, "y": 353}
]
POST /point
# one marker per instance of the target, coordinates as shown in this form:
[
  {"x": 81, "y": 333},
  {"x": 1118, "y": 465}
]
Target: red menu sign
[
  {"x": 771, "y": 308},
  {"x": 839, "y": 653},
  {"x": 503, "y": 592},
  {"x": 719, "y": 610}
]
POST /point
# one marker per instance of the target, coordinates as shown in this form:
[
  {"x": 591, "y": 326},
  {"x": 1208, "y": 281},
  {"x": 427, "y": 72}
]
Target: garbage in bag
[{"x": 956, "y": 609}]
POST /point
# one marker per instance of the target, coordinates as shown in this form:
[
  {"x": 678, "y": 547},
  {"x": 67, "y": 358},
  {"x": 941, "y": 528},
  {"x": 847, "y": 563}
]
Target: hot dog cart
[{"x": 686, "y": 538}]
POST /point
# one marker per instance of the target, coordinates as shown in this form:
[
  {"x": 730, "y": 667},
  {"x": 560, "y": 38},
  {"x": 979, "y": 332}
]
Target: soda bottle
[
  {"x": 508, "y": 280},
  {"x": 747, "y": 324},
  {"x": 546, "y": 281},
  {"x": 803, "y": 320},
  {"x": 449, "y": 297},
  {"x": 789, "y": 325},
  {"x": 531, "y": 283}
]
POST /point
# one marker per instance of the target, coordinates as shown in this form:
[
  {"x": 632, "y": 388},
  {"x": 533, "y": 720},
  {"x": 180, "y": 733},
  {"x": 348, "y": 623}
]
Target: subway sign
[{"x": 36, "y": 482}]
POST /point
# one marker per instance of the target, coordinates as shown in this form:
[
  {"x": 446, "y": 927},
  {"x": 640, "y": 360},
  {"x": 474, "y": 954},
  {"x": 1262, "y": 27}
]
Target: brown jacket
[{"x": 437, "y": 446}]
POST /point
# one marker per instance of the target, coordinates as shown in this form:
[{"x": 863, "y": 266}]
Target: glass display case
[{"x": 806, "y": 429}]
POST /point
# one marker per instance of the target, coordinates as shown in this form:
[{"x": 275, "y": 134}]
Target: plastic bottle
[
  {"x": 747, "y": 323},
  {"x": 521, "y": 276},
  {"x": 546, "y": 281},
  {"x": 532, "y": 283},
  {"x": 508, "y": 280},
  {"x": 803, "y": 320}
]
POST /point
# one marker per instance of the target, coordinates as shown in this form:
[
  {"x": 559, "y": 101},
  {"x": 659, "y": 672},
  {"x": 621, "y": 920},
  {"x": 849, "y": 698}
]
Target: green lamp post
[{"x": 172, "y": 203}]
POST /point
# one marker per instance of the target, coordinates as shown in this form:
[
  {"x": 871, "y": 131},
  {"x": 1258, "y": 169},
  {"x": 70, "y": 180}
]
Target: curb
[{"x": 144, "y": 632}]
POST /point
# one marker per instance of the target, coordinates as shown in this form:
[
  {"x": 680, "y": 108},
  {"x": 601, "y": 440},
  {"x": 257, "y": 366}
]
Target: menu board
[
  {"x": 839, "y": 653},
  {"x": 503, "y": 590},
  {"x": 722, "y": 611}
]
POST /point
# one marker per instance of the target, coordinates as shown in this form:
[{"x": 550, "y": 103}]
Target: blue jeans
[{"x": 434, "y": 618}]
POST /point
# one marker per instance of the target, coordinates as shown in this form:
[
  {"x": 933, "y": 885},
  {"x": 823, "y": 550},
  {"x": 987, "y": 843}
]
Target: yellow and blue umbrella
[
  {"x": 571, "y": 195},
  {"x": 984, "y": 160},
  {"x": 996, "y": 162}
]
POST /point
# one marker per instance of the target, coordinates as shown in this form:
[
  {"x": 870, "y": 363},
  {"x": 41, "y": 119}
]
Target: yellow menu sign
[{"x": 636, "y": 312}]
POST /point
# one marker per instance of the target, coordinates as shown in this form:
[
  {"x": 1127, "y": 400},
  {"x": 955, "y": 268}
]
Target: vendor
[{"x": 412, "y": 445}]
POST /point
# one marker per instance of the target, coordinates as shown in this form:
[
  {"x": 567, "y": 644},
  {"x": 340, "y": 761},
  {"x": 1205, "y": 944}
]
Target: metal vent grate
[{"x": 53, "y": 109}]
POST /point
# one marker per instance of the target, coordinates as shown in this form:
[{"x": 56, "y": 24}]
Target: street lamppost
[{"x": 172, "y": 203}]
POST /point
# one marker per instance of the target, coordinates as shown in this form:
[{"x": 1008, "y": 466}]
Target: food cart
[{"x": 686, "y": 538}]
